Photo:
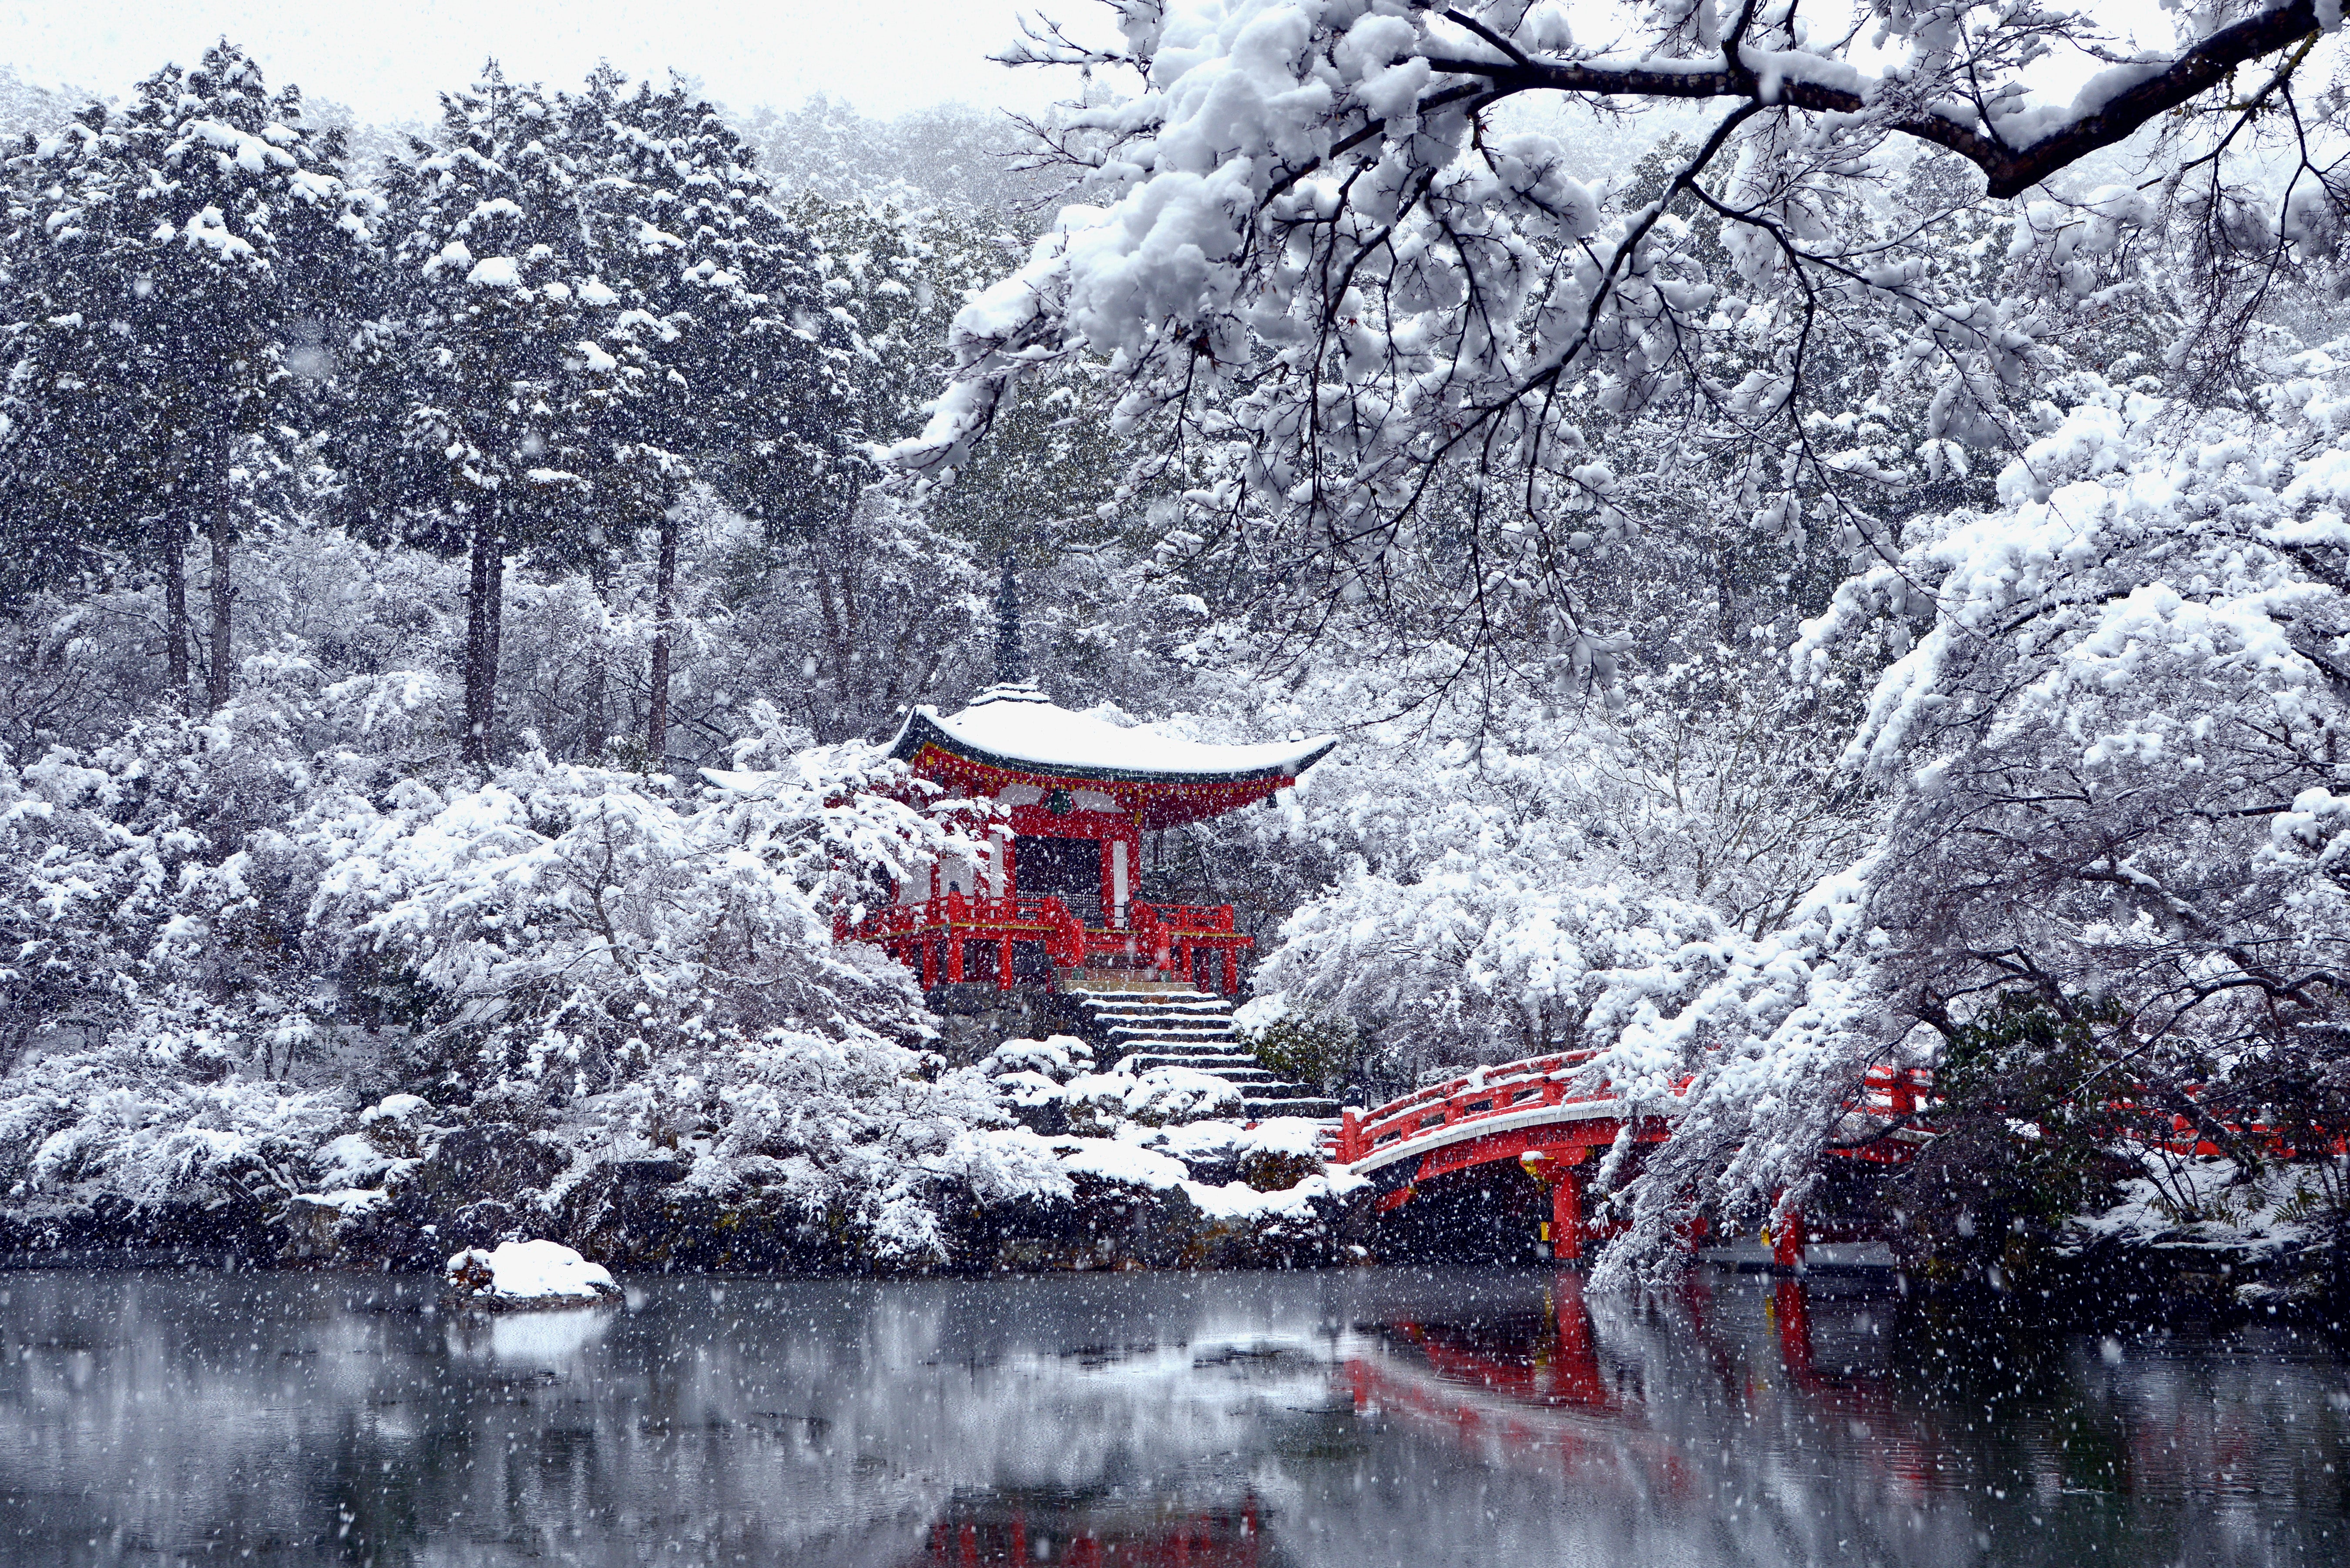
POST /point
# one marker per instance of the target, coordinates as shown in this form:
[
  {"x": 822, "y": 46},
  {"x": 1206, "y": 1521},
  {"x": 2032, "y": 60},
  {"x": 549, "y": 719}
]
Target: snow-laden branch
[
  {"x": 1338, "y": 293},
  {"x": 2016, "y": 145}
]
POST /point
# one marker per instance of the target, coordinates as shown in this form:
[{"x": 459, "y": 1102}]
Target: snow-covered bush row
[{"x": 224, "y": 929}]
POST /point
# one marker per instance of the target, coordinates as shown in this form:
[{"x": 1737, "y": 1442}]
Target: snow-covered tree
[
  {"x": 1361, "y": 310},
  {"x": 727, "y": 343},
  {"x": 170, "y": 266},
  {"x": 490, "y": 358}
]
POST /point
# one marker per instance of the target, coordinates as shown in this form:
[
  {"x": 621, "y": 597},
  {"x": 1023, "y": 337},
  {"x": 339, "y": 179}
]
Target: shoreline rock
[{"x": 526, "y": 1276}]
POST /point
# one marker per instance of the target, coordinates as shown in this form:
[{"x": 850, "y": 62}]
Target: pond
[{"x": 1354, "y": 1419}]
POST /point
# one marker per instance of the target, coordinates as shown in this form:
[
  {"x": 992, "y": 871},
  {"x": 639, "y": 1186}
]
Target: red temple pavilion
[
  {"x": 1074, "y": 796},
  {"x": 1067, "y": 798}
]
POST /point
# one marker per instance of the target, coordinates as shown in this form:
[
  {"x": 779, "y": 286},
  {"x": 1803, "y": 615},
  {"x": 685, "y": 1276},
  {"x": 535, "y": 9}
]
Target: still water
[{"x": 1354, "y": 1418}]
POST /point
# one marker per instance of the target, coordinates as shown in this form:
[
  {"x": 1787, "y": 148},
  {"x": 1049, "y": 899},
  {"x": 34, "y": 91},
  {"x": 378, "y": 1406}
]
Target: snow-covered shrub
[
  {"x": 1272, "y": 1155},
  {"x": 573, "y": 924},
  {"x": 849, "y": 1133},
  {"x": 1322, "y": 1049},
  {"x": 1028, "y": 1076},
  {"x": 123, "y": 1120}
]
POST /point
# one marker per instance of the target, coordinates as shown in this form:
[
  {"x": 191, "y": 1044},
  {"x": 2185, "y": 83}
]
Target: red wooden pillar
[
  {"x": 930, "y": 963},
  {"x": 954, "y": 956},
  {"x": 1787, "y": 1240},
  {"x": 1565, "y": 1214},
  {"x": 1232, "y": 971},
  {"x": 1003, "y": 963},
  {"x": 1349, "y": 1131}
]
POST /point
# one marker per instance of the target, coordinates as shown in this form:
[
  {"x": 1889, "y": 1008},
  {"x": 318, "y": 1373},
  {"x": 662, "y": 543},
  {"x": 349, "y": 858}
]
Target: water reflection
[{"x": 1354, "y": 1419}]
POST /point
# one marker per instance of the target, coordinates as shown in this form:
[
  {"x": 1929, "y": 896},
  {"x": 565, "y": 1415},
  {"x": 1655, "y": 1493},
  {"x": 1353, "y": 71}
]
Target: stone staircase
[{"x": 1139, "y": 1024}]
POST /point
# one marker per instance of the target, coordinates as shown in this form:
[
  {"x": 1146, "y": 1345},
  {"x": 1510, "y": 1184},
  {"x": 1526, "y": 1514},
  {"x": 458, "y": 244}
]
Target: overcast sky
[{"x": 387, "y": 59}]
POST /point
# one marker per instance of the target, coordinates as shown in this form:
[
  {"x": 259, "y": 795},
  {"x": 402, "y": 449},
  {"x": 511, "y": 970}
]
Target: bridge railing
[
  {"x": 1476, "y": 1095},
  {"x": 1891, "y": 1094}
]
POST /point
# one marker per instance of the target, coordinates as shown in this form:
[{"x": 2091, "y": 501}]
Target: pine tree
[
  {"x": 727, "y": 350},
  {"x": 489, "y": 353},
  {"x": 167, "y": 264}
]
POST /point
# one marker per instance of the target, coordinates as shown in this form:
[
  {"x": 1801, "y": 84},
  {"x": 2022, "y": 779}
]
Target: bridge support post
[
  {"x": 1787, "y": 1242},
  {"x": 1566, "y": 1214}
]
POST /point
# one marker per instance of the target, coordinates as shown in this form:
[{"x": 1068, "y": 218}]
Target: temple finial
[{"x": 1011, "y": 657}]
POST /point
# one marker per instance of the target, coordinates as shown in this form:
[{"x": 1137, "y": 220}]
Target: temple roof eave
[{"x": 925, "y": 728}]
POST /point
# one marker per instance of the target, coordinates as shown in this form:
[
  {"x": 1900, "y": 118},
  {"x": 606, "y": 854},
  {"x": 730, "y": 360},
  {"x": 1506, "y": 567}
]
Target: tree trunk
[
  {"x": 594, "y": 722},
  {"x": 664, "y": 584},
  {"x": 596, "y": 699},
  {"x": 828, "y": 615},
  {"x": 175, "y": 606},
  {"x": 484, "y": 594},
  {"x": 216, "y": 683}
]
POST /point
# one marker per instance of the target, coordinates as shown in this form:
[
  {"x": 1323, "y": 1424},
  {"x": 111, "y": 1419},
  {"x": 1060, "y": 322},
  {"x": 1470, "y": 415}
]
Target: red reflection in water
[
  {"x": 1098, "y": 1539},
  {"x": 1548, "y": 1398}
]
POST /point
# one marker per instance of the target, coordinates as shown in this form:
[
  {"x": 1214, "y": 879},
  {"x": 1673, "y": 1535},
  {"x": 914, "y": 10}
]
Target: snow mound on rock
[
  {"x": 528, "y": 1273},
  {"x": 1161, "y": 1097}
]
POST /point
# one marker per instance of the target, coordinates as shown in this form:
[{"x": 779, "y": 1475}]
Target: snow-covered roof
[{"x": 1020, "y": 730}]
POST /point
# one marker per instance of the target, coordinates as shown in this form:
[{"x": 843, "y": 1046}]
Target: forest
[{"x": 1800, "y": 588}]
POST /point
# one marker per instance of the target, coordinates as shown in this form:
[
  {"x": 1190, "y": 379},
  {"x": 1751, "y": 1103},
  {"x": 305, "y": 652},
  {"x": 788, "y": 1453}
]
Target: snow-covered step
[
  {"x": 1222, "y": 1053},
  {"x": 1176, "y": 1027},
  {"x": 1182, "y": 1036},
  {"x": 1318, "y": 1110},
  {"x": 1252, "y": 1078}
]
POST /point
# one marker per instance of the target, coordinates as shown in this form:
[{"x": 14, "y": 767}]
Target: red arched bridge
[{"x": 1544, "y": 1116}]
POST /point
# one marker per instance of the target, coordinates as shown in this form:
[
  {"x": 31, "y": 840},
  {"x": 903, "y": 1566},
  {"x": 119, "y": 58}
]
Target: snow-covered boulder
[
  {"x": 1059, "y": 1057},
  {"x": 517, "y": 1275},
  {"x": 1097, "y": 1102}
]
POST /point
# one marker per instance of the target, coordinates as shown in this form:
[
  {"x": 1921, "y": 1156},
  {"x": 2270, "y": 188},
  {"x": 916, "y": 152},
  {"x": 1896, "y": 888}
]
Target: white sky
[{"x": 387, "y": 59}]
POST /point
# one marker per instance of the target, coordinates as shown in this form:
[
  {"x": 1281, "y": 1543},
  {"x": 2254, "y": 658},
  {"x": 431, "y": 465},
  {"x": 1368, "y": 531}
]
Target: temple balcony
[{"x": 936, "y": 937}]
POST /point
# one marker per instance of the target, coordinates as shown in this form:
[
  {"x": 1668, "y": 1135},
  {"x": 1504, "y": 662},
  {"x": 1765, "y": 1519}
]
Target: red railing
[
  {"x": 932, "y": 935},
  {"x": 1473, "y": 1096},
  {"x": 1896, "y": 1094},
  {"x": 1173, "y": 936}
]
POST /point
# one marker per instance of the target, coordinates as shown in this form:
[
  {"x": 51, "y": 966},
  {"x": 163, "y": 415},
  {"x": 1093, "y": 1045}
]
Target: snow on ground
[
  {"x": 2204, "y": 1205},
  {"x": 1162, "y": 1158}
]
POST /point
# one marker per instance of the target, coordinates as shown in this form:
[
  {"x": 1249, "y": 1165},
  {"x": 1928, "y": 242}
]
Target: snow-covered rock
[
  {"x": 1059, "y": 1057},
  {"x": 1099, "y": 1101},
  {"x": 522, "y": 1274}
]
